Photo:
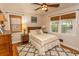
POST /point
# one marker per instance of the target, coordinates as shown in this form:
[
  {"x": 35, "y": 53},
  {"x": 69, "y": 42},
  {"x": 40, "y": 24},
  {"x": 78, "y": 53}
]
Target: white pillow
[
  {"x": 39, "y": 31},
  {"x": 33, "y": 31}
]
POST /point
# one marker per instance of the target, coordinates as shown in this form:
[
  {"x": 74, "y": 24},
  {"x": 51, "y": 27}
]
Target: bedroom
[{"x": 20, "y": 18}]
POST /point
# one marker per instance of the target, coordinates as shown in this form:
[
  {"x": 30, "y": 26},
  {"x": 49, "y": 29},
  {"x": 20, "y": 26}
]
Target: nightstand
[
  {"x": 45, "y": 32},
  {"x": 25, "y": 38}
]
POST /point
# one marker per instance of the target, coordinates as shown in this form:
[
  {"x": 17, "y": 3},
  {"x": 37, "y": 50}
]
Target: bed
[{"x": 42, "y": 41}]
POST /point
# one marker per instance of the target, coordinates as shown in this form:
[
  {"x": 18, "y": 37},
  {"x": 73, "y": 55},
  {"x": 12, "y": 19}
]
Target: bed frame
[{"x": 33, "y": 28}]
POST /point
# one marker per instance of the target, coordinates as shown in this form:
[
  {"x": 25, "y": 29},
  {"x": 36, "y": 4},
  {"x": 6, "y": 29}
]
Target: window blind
[
  {"x": 16, "y": 23},
  {"x": 15, "y": 16},
  {"x": 55, "y": 18},
  {"x": 68, "y": 16}
]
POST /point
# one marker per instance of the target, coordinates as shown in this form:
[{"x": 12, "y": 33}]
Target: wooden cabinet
[
  {"x": 25, "y": 38},
  {"x": 5, "y": 45}
]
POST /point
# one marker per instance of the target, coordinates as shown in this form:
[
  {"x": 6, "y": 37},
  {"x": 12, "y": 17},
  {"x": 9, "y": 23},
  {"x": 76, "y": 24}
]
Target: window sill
[{"x": 72, "y": 34}]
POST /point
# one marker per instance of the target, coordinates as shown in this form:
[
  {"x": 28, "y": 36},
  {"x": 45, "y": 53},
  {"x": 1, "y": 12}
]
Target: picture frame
[{"x": 33, "y": 19}]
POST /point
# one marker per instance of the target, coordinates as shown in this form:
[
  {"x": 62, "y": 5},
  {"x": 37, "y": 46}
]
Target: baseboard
[{"x": 70, "y": 48}]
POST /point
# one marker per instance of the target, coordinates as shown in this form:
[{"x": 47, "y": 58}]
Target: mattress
[{"x": 43, "y": 39}]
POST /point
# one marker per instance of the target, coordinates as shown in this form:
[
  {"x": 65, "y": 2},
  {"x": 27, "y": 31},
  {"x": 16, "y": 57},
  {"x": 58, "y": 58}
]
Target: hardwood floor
[
  {"x": 73, "y": 50},
  {"x": 15, "y": 51},
  {"x": 14, "y": 48}
]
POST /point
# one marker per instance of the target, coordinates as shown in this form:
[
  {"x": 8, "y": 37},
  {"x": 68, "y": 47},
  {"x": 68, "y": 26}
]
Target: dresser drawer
[
  {"x": 4, "y": 54},
  {"x": 6, "y": 50},
  {"x": 5, "y": 39},
  {"x": 4, "y": 46}
]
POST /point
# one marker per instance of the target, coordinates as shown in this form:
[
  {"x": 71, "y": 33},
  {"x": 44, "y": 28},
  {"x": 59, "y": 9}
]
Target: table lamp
[{"x": 24, "y": 28}]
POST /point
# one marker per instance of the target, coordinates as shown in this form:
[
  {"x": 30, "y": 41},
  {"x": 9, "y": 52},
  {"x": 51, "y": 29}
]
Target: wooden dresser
[{"x": 5, "y": 45}]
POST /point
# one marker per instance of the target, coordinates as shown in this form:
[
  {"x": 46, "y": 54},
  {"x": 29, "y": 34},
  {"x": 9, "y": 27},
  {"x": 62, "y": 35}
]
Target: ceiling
[{"x": 29, "y": 7}]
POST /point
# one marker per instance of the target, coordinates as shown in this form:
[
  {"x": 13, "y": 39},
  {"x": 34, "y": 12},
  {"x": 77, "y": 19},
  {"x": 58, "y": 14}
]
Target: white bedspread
[
  {"x": 43, "y": 42},
  {"x": 44, "y": 39}
]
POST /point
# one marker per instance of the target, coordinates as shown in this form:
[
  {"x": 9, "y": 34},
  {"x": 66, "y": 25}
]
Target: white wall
[
  {"x": 27, "y": 17},
  {"x": 69, "y": 39}
]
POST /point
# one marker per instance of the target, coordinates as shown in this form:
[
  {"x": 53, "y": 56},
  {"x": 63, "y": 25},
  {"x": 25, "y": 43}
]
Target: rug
[{"x": 30, "y": 50}]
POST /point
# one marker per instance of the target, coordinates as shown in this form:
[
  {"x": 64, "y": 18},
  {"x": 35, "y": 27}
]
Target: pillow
[
  {"x": 33, "y": 31},
  {"x": 39, "y": 31}
]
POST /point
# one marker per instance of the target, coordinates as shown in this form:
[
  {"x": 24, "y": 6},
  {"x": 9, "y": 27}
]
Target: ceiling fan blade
[
  {"x": 53, "y": 5},
  {"x": 36, "y": 3},
  {"x": 37, "y": 8}
]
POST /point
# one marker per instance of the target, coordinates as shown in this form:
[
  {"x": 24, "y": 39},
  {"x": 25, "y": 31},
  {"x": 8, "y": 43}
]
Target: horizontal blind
[
  {"x": 16, "y": 23},
  {"x": 55, "y": 18},
  {"x": 15, "y": 16},
  {"x": 68, "y": 16}
]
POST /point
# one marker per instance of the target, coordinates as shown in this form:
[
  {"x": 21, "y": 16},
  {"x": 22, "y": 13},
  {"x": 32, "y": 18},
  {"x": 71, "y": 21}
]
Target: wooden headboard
[{"x": 33, "y": 28}]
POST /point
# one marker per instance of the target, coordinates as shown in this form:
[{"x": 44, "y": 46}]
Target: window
[
  {"x": 66, "y": 26},
  {"x": 16, "y": 23},
  {"x": 54, "y": 23},
  {"x": 54, "y": 26},
  {"x": 66, "y": 21}
]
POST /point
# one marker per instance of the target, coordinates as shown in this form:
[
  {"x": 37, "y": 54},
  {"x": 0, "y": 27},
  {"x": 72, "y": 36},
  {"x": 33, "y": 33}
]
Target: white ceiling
[{"x": 29, "y": 7}]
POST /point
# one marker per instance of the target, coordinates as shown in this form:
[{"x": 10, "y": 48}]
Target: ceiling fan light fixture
[{"x": 44, "y": 7}]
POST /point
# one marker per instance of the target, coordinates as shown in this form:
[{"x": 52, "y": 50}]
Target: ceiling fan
[{"x": 44, "y": 6}]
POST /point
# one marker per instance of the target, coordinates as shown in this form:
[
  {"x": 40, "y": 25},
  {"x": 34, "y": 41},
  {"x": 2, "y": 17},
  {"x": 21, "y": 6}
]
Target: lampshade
[
  {"x": 24, "y": 26},
  {"x": 2, "y": 18}
]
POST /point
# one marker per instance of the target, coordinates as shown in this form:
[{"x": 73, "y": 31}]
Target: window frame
[{"x": 66, "y": 16}]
